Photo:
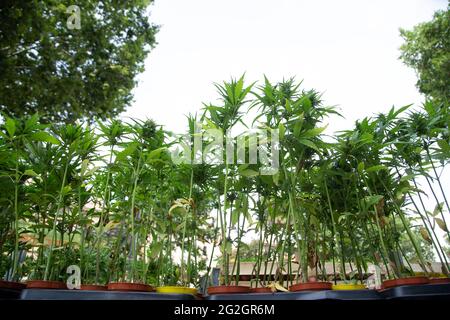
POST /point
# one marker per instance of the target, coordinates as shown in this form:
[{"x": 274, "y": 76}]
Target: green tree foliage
[
  {"x": 427, "y": 50},
  {"x": 68, "y": 73}
]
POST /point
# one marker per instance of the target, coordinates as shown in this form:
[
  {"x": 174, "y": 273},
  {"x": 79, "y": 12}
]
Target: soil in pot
[
  {"x": 41, "y": 284},
  {"x": 261, "y": 290},
  {"x": 409, "y": 281},
  {"x": 93, "y": 287},
  {"x": 12, "y": 285},
  {"x": 311, "y": 286},
  {"x": 228, "y": 289},
  {"x": 127, "y": 286}
]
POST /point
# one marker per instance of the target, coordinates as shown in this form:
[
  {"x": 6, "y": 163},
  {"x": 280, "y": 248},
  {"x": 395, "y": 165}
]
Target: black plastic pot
[
  {"x": 346, "y": 295},
  {"x": 420, "y": 292},
  {"x": 259, "y": 296},
  {"x": 304, "y": 295},
  {"x": 10, "y": 290},
  {"x": 42, "y": 294},
  {"x": 9, "y": 294}
]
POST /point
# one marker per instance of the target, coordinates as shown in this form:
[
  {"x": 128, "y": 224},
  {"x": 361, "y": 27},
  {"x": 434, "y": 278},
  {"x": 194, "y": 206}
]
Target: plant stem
[
  {"x": 184, "y": 228},
  {"x": 335, "y": 231},
  {"x": 408, "y": 231},
  {"x": 132, "y": 209},
  {"x": 60, "y": 204},
  {"x": 223, "y": 223},
  {"x": 437, "y": 178},
  {"x": 16, "y": 218}
]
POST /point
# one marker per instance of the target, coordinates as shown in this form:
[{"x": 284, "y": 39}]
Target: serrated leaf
[
  {"x": 43, "y": 136},
  {"x": 155, "y": 153},
  {"x": 32, "y": 122},
  {"x": 372, "y": 200},
  {"x": 425, "y": 235},
  {"x": 228, "y": 247},
  {"x": 129, "y": 150},
  {"x": 281, "y": 131},
  {"x": 30, "y": 173},
  {"x": 376, "y": 168},
  {"x": 437, "y": 209},
  {"x": 309, "y": 143},
  {"x": 156, "y": 249},
  {"x": 297, "y": 128},
  {"x": 66, "y": 190},
  {"x": 313, "y": 132},
  {"x": 444, "y": 145},
  {"x": 276, "y": 178},
  {"x": 249, "y": 173},
  {"x": 360, "y": 167},
  {"x": 242, "y": 167},
  {"x": 10, "y": 126},
  {"x": 441, "y": 224},
  {"x": 427, "y": 212},
  {"x": 178, "y": 208},
  {"x": 306, "y": 102},
  {"x": 110, "y": 225}
]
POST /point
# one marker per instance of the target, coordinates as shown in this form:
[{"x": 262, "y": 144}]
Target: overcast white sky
[{"x": 347, "y": 49}]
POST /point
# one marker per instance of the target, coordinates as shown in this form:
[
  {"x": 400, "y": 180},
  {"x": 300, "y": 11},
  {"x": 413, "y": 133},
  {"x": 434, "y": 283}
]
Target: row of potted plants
[{"x": 108, "y": 197}]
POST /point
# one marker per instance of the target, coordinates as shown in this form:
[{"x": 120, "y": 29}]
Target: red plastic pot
[
  {"x": 199, "y": 296},
  {"x": 12, "y": 285},
  {"x": 127, "y": 286},
  {"x": 41, "y": 284},
  {"x": 409, "y": 281},
  {"x": 228, "y": 289},
  {"x": 93, "y": 287},
  {"x": 439, "y": 280},
  {"x": 311, "y": 286},
  {"x": 261, "y": 290}
]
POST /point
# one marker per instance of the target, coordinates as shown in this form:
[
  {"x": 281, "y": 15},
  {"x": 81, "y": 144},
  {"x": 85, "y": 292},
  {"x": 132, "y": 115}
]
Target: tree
[
  {"x": 71, "y": 62},
  {"x": 427, "y": 50}
]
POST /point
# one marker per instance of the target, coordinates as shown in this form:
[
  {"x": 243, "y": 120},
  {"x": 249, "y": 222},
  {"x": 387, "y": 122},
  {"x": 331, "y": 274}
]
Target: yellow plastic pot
[
  {"x": 176, "y": 290},
  {"x": 348, "y": 286}
]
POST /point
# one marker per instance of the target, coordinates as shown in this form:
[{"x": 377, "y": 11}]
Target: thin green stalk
[
  {"x": 380, "y": 233},
  {"x": 16, "y": 219},
  {"x": 105, "y": 207},
  {"x": 224, "y": 226},
  {"x": 437, "y": 178},
  {"x": 430, "y": 229},
  {"x": 184, "y": 228},
  {"x": 113, "y": 273},
  {"x": 60, "y": 204},
  {"x": 236, "y": 265},
  {"x": 334, "y": 229},
  {"x": 437, "y": 202},
  {"x": 269, "y": 253},
  {"x": 436, "y": 242},
  {"x": 214, "y": 244},
  {"x": 408, "y": 231},
  {"x": 283, "y": 242},
  {"x": 300, "y": 249},
  {"x": 133, "y": 199},
  {"x": 366, "y": 231}
]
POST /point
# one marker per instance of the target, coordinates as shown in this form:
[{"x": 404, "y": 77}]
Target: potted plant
[{"x": 224, "y": 118}]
